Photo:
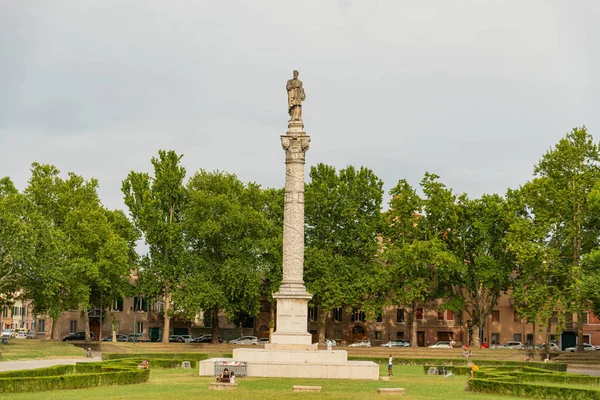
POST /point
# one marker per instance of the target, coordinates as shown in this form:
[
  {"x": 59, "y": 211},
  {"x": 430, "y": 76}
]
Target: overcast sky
[{"x": 474, "y": 91}]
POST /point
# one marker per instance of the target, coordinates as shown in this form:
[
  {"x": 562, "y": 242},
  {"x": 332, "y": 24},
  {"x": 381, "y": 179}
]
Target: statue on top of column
[{"x": 295, "y": 97}]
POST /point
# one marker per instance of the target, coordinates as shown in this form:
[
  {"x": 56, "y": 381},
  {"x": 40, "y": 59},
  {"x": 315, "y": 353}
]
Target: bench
[
  {"x": 222, "y": 386},
  {"x": 396, "y": 391},
  {"x": 300, "y": 388}
]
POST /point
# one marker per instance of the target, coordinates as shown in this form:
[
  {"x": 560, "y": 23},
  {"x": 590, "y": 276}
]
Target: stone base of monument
[{"x": 292, "y": 363}]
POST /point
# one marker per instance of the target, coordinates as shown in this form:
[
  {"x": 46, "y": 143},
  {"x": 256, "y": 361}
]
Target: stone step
[
  {"x": 396, "y": 391},
  {"x": 300, "y": 388},
  {"x": 222, "y": 386}
]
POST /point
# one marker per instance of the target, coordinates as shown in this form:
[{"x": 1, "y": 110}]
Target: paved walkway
[{"x": 32, "y": 364}]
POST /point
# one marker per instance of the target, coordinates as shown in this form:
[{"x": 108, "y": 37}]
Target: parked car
[
  {"x": 263, "y": 340},
  {"x": 120, "y": 338},
  {"x": 586, "y": 347},
  {"x": 185, "y": 338},
  {"x": 553, "y": 346},
  {"x": 31, "y": 334},
  {"x": 174, "y": 338},
  {"x": 245, "y": 340},
  {"x": 361, "y": 343},
  {"x": 396, "y": 343},
  {"x": 21, "y": 335},
  {"x": 8, "y": 333},
  {"x": 510, "y": 345},
  {"x": 441, "y": 345},
  {"x": 78, "y": 336},
  {"x": 137, "y": 337},
  {"x": 205, "y": 339}
]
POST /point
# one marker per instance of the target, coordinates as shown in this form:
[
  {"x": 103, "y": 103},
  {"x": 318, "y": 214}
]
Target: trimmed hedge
[
  {"x": 47, "y": 371},
  {"x": 72, "y": 381},
  {"x": 532, "y": 390},
  {"x": 464, "y": 361},
  {"x": 455, "y": 369},
  {"x": 162, "y": 356},
  {"x": 155, "y": 363}
]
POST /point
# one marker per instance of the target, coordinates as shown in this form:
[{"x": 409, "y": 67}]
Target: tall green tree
[
  {"x": 14, "y": 241},
  {"x": 558, "y": 198},
  {"x": 342, "y": 223},
  {"x": 418, "y": 267},
  {"x": 156, "y": 206},
  {"x": 230, "y": 240}
]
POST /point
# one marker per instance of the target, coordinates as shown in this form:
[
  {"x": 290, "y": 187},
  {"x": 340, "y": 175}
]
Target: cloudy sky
[{"x": 473, "y": 90}]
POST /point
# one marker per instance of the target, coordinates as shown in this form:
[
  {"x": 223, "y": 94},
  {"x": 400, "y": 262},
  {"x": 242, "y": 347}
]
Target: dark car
[
  {"x": 205, "y": 339},
  {"x": 78, "y": 336},
  {"x": 120, "y": 338}
]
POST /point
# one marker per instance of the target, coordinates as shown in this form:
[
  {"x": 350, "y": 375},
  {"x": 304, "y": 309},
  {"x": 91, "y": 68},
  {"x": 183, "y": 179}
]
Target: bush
[
  {"x": 162, "y": 356},
  {"x": 532, "y": 390},
  {"x": 464, "y": 361},
  {"x": 155, "y": 363},
  {"x": 48, "y": 371},
  {"x": 72, "y": 381}
]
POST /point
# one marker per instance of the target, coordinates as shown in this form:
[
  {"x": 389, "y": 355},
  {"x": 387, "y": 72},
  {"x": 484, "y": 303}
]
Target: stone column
[{"x": 292, "y": 298}]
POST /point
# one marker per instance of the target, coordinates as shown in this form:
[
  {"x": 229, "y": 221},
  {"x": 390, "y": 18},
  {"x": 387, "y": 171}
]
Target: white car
[
  {"x": 361, "y": 343},
  {"x": 586, "y": 347},
  {"x": 8, "y": 333},
  {"x": 511, "y": 345},
  {"x": 21, "y": 335},
  {"x": 553, "y": 346},
  {"x": 441, "y": 345},
  {"x": 245, "y": 340}
]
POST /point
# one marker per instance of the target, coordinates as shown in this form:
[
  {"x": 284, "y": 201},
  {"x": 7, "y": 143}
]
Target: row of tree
[{"x": 214, "y": 242}]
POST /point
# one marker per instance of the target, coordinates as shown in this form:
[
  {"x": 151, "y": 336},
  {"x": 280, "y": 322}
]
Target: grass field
[
  {"x": 23, "y": 349},
  {"x": 185, "y": 384}
]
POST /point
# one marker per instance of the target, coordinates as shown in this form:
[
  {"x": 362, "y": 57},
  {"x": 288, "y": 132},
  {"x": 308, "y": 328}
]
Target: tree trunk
[
  {"x": 475, "y": 340},
  {"x": 86, "y": 324},
  {"x": 272, "y": 321},
  {"x": 54, "y": 334},
  {"x": 548, "y": 334},
  {"x": 215, "y": 325},
  {"x": 579, "y": 330},
  {"x": 413, "y": 321},
  {"x": 166, "y": 312},
  {"x": 114, "y": 324},
  {"x": 322, "y": 326}
]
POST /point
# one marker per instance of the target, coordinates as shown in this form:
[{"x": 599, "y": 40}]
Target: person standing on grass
[{"x": 390, "y": 363}]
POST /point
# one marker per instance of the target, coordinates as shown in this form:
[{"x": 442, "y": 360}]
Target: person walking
[{"x": 390, "y": 363}]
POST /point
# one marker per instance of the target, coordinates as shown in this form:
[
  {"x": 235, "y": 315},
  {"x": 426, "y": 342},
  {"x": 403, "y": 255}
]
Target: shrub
[
  {"x": 48, "y": 371},
  {"x": 532, "y": 390},
  {"x": 162, "y": 356},
  {"x": 464, "y": 361}
]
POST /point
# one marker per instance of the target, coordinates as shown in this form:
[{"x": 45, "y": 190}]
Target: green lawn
[
  {"x": 22, "y": 349},
  {"x": 184, "y": 384}
]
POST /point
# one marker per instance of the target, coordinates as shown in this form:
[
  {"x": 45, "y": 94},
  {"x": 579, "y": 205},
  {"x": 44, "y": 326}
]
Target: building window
[
  {"x": 517, "y": 337},
  {"x": 337, "y": 334},
  {"x": 495, "y": 338},
  {"x": 399, "y": 335},
  {"x": 207, "y": 317},
  {"x": 5, "y": 312},
  {"x": 516, "y": 317},
  {"x": 313, "y": 314},
  {"x": 73, "y": 326},
  {"x": 117, "y": 304},
  {"x": 265, "y": 307},
  {"x": 554, "y": 317},
  {"x": 41, "y": 325},
  {"x": 419, "y": 313},
  {"x": 246, "y": 321},
  {"x": 378, "y": 335},
  {"x": 585, "y": 318},
  {"x": 440, "y": 315},
  {"x": 400, "y": 315},
  {"x": 338, "y": 314},
  {"x": 379, "y": 317},
  {"x": 157, "y": 307},
  {"x": 139, "y": 304},
  {"x": 357, "y": 315},
  {"x": 449, "y": 315},
  {"x": 139, "y": 327},
  {"x": 495, "y": 316}
]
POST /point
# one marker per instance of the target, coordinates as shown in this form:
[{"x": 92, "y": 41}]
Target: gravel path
[
  {"x": 582, "y": 369},
  {"x": 32, "y": 364}
]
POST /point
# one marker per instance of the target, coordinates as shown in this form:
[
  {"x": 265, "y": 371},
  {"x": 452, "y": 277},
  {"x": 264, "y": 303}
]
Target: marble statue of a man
[{"x": 295, "y": 97}]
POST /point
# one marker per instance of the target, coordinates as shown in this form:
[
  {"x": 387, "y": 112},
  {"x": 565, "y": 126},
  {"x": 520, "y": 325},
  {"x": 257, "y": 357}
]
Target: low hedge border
[
  {"x": 552, "y": 366},
  {"x": 47, "y": 371},
  {"x": 16, "y": 384},
  {"x": 549, "y": 392},
  {"x": 455, "y": 369},
  {"x": 155, "y": 363},
  {"x": 162, "y": 356}
]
